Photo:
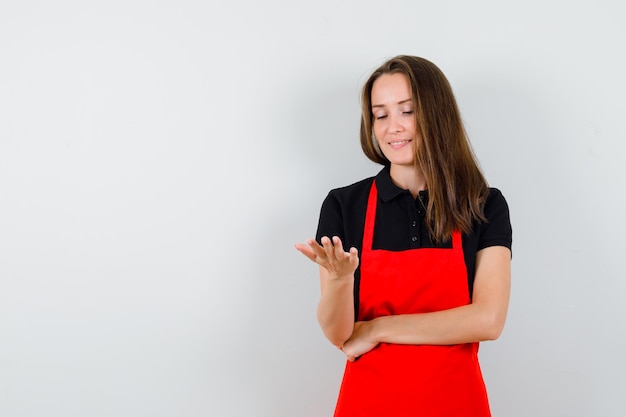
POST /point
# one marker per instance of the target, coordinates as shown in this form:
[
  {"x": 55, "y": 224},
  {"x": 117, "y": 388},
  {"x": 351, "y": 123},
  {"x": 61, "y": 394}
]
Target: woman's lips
[{"x": 397, "y": 144}]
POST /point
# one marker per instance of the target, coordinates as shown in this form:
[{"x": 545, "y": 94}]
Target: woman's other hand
[{"x": 361, "y": 341}]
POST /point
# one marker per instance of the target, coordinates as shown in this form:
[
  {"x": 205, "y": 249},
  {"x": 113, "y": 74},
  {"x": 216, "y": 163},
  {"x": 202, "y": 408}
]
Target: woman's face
[{"x": 394, "y": 121}]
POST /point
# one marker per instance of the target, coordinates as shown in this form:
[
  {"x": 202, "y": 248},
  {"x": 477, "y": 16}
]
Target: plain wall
[{"x": 159, "y": 159}]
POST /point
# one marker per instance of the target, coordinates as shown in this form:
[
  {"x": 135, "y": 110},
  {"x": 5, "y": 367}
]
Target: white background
[{"x": 159, "y": 159}]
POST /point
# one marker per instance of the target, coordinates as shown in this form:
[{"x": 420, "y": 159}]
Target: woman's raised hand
[{"x": 331, "y": 256}]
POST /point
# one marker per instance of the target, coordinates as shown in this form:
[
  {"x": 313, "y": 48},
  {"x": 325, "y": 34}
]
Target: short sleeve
[
  {"x": 497, "y": 230},
  {"x": 331, "y": 220}
]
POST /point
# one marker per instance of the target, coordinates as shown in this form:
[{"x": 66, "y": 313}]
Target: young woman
[{"x": 427, "y": 273}]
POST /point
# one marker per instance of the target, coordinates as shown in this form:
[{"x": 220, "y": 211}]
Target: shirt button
[
  {"x": 414, "y": 238},
  {"x": 414, "y": 224}
]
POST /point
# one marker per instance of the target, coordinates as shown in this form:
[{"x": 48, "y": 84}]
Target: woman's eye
[
  {"x": 408, "y": 112},
  {"x": 380, "y": 117}
]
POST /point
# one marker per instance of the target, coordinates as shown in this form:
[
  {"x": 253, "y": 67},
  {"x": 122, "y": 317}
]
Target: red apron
[{"x": 412, "y": 380}]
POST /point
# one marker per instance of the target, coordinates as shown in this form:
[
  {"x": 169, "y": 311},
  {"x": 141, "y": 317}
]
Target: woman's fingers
[
  {"x": 354, "y": 256},
  {"x": 338, "y": 246},
  {"x": 306, "y": 250},
  {"x": 320, "y": 251},
  {"x": 314, "y": 251},
  {"x": 330, "y": 254},
  {"x": 328, "y": 248}
]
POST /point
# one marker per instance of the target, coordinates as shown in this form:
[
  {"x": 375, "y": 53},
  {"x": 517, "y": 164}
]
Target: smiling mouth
[{"x": 398, "y": 143}]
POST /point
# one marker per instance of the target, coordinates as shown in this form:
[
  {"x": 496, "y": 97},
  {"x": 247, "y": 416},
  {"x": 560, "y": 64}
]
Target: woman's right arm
[{"x": 335, "y": 312}]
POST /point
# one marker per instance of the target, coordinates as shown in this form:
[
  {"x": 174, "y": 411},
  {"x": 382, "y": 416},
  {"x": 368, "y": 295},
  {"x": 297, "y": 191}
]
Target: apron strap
[{"x": 370, "y": 218}]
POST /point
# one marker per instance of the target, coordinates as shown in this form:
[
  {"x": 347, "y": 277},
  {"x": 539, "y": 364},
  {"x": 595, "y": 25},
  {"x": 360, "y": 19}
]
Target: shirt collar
[{"x": 387, "y": 190}]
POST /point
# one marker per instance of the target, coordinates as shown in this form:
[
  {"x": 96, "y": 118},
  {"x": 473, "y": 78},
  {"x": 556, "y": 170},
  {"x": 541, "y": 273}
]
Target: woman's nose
[{"x": 395, "y": 125}]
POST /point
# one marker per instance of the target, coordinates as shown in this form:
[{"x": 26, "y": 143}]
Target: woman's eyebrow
[{"x": 399, "y": 102}]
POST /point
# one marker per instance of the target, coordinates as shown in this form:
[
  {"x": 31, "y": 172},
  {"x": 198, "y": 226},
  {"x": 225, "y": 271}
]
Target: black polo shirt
[{"x": 400, "y": 221}]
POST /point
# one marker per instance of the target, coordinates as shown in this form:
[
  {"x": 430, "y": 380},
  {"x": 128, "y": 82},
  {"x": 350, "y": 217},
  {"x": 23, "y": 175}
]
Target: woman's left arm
[{"x": 481, "y": 320}]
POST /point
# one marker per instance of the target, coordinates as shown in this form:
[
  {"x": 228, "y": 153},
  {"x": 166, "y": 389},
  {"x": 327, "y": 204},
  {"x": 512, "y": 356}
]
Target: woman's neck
[{"x": 408, "y": 178}]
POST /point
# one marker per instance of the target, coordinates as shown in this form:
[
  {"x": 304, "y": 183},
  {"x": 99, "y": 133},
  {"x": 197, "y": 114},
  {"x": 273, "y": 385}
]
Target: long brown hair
[{"x": 456, "y": 186}]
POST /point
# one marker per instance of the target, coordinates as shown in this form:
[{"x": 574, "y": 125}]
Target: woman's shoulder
[
  {"x": 343, "y": 212},
  {"x": 347, "y": 200},
  {"x": 353, "y": 191},
  {"x": 495, "y": 193},
  {"x": 495, "y": 203}
]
